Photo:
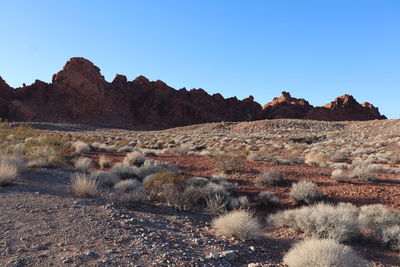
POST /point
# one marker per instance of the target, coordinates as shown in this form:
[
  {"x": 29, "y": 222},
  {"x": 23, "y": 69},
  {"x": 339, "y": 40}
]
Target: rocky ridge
[{"x": 80, "y": 94}]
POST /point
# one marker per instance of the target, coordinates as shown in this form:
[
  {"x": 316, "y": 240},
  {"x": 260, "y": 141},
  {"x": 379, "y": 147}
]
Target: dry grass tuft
[
  {"x": 105, "y": 178},
  {"x": 391, "y": 237},
  {"x": 322, "y": 220},
  {"x": 83, "y": 164},
  {"x": 83, "y": 185},
  {"x": 8, "y": 172},
  {"x": 134, "y": 158},
  {"x": 269, "y": 178},
  {"x": 383, "y": 223},
  {"x": 104, "y": 162},
  {"x": 267, "y": 199},
  {"x": 81, "y": 147},
  {"x": 240, "y": 224},
  {"x": 230, "y": 163},
  {"x": 317, "y": 159},
  {"x": 43, "y": 156},
  {"x": 362, "y": 171},
  {"x": 124, "y": 171},
  {"x": 305, "y": 192},
  {"x": 340, "y": 176},
  {"x": 129, "y": 185},
  {"x": 322, "y": 253}
]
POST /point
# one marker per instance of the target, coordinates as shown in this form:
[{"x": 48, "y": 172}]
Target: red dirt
[{"x": 386, "y": 191}]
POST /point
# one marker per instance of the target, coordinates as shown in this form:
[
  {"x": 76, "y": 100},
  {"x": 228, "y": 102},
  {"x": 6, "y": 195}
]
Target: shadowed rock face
[{"x": 80, "y": 94}]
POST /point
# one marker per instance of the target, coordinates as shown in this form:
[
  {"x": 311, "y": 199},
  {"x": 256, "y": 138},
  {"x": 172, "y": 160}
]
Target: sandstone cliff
[{"x": 80, "y": 94}]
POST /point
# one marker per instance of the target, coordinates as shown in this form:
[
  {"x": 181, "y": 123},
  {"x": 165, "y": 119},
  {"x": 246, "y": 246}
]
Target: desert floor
[{"x": 44, "y": 223}]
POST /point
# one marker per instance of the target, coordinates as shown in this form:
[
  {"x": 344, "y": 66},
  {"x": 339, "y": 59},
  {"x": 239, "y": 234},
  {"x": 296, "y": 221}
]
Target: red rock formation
[
  {"x": 345, "y": 108},
  {"x": 286, "y": 107},
  {"x": 80, "y": 94}
]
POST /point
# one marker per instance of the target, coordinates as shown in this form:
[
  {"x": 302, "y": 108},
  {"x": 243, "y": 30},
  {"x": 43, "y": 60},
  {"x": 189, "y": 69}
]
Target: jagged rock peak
[
  {"x": 3, "y": 84},
  {"x": 286, "y": 98},
  {"x": 141, "y": 80},
  {"x": 79, "y": 67},
  {"x": 120, "y": 79},
  {"x": 342, "y": 101}
]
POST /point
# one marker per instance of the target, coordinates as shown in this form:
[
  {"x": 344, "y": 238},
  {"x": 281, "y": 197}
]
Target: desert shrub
[
  {"x": 128, "y": 193},
  {"x": 83, "y": 185},
  {"x": 378, "y": 216},
  {"x": 240, "y": 224},
  {"x": 215, "y": 204},
  {"x": 14, "y": 149},
  {"x": 95, "y": 145},
  {"x": 196, "y": 182},
  {"x": 361, "y": 171},
  {"x": 43, "y": 156},
  {"x": 223, "y": 181},
  {"x": 241, "y": 202},
  {"x": 152, "y": 167},
  {"x": 15, "y": 161},
  {"x": 46, "y": 151},
  {"x": 126, "y": 149},
  {"x": 83, "y": 164},
  {"x": 382, "y": 223},
  {"x": 363, "y": 174},
  {"x": 134, "y": 158},
  {"x": 317, "y": 159},
  {"x": 340, "y": 176},
  {"x": 192, "y": 199},
  {"x": 105, "y": 178},
  {"x": 81, "y": 147},
  {"x": 170, "y": 194},
  {"x": 269, "y": 178},
  {"x": 396, "y": 158},
  {"x": 339, "y": 165},
  {"x": 322, "y": 253},
  {"x": 107, "y": 148},
  {"x": 8, "y": 172},
  {"x": 156, "y": 181},
  {"x": 104, "y": 162},
  {"x": 212, "y": 189},
  {"x": 339, "y": 157},
  {"x": 150, "y": 152},
  {"x": 260, "y": 156},
  {"x": 267, "y": 199},
  {"x": 391, "y": 237},
  {"x": 305, "y": 192},
  {"x": 349, "y": 208},
  {"x": 215, "y": 194},
  {"x": 124, "y": 171},
  {"x": 188, "y": 198},
  {"x": 288, "y": 160},
  {"x": 230, "y": 163},
  {"x": 10, "y": 133},
  {"x": 171, "y": 150},
  {"x": 183, "y": 149},
  {"x": 128, "y": 199},
  {"x": 321, "y": 220},
  {"x": 130, "y": 185}
]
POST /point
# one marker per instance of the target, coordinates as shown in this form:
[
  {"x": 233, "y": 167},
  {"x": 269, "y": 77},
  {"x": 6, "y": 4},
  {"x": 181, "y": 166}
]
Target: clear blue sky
[{"x": 317, "y": 50}]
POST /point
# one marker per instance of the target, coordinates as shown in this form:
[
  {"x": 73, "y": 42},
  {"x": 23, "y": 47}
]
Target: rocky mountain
[
  {"x": 343, "y": 108},
  {"x": 80, "y": 94}
]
